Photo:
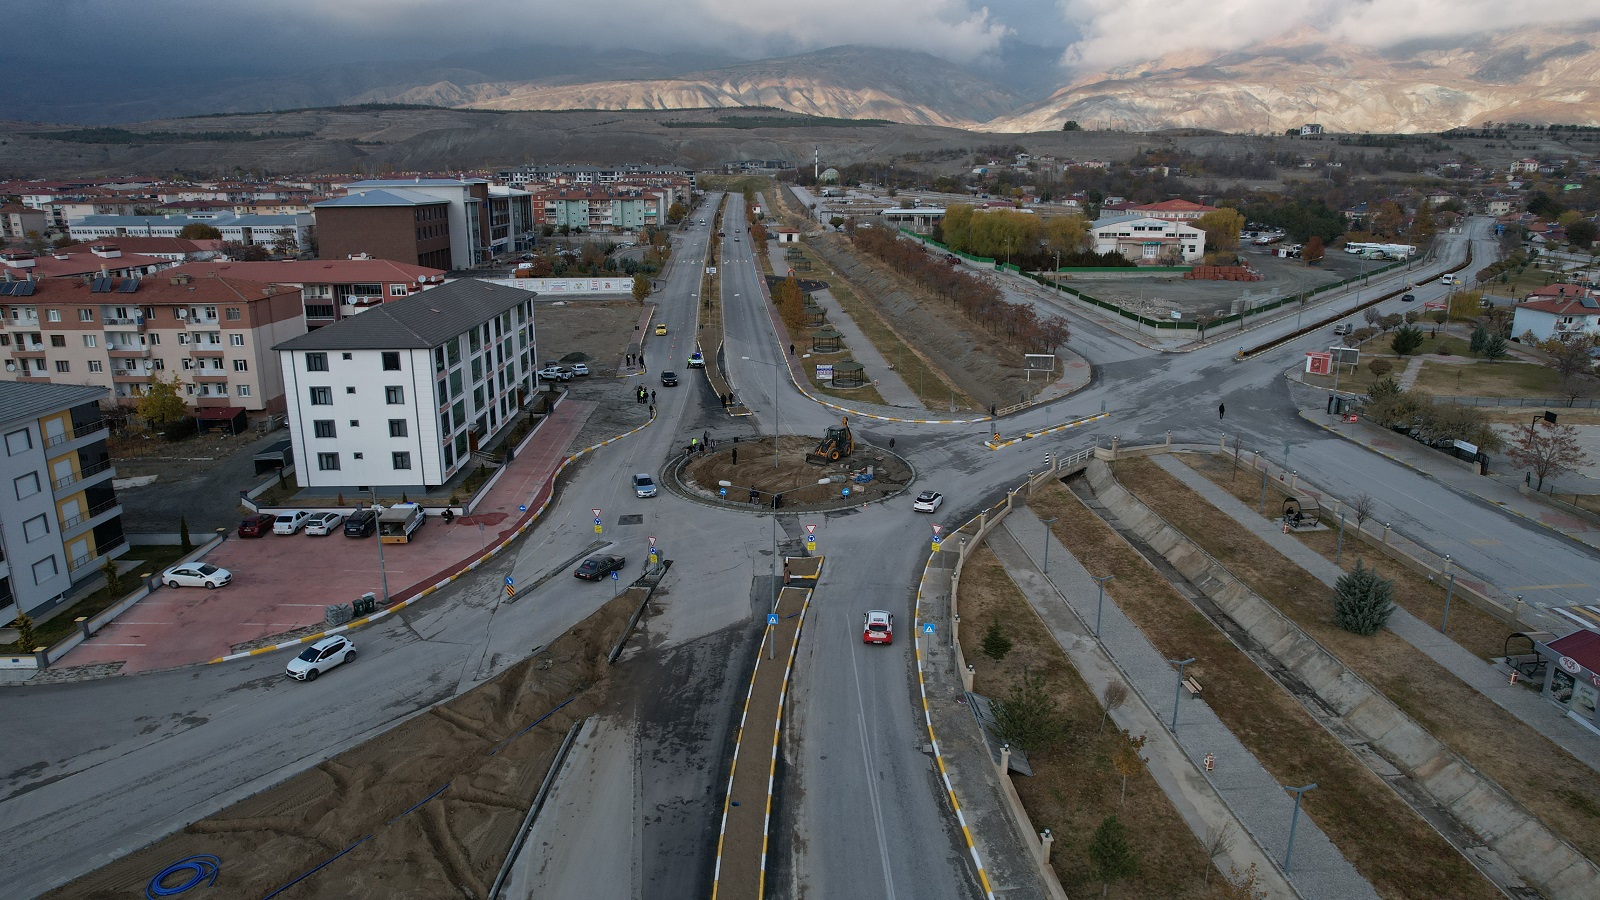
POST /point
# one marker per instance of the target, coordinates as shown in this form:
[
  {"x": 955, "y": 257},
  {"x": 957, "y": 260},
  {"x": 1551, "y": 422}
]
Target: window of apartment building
[
  {"x": 58, "y": 340},
  {"x": 158, "y": 364},
  {"x": 214, "y": 337},
  {"x": 63, "y": 366},
  {"x": 45, "y": 569},
  {"x": 328, "y": 462},
  {"x": 316, "y": 362},
  {"x": 5, "y": 340},
  {"x": 154, "y": 338},
  {"x": 211, "y": 313},
  {"x": 85, "y": 315},
  {"x": 355, "y": 423},
  {"x": 96, "y": 366},
  {"x": 401, "y": 460},
  {"x": 397, "y": 290},
  {"x": 324, "y": 428},
  {"x": 391, "y": 361},
  {"x": 449, "y": 455},
  {"x": 240, "y": 365},
  {"x": 18, "y": 442},
  {"x": 52, "y": 315},
  {"x": 444, "y": 423},
  {"x": 322, "y": 396},
  {"x": 183, "y": 339},
  {"x": 26, "y": 485},
  {"x": 397, "y": 428},
  {"x": 350, "y": 389},
  {"x": 244, "y": 390},
  {"x": 394, "y": 395},
  {"x": 236, "y": 340},
  {"x": 35, "y": 528},
  {"x": 233, "y": 314},
  {"x": 477, "y": 369}
]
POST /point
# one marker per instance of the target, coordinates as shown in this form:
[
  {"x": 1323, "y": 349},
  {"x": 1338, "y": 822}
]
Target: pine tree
[
  {"x": 995, "y": 643},
  {"x": 1480, "y": 336},
  {"x": 183, "y": 534},
  {"x": 25, "y": 638},
  {"x": 1363, "y": 600},
  {"x": 1109, "y": 854},
  {"x": 1028, "y": 718}
]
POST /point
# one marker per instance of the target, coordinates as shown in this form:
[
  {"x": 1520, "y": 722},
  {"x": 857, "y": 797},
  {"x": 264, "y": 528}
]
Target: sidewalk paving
[
  {"x": 1526, "y": 705},
  {"x": 1252, "y": 797}
]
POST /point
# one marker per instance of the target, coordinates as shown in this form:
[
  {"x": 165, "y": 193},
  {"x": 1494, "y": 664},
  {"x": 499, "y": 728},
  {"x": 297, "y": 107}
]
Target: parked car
[
  {"x": 597, "y": 567},
  {"x": 1409, "y": 297},
  {"x": 255, "y": 526},
  {"x": 555, "y": 373},
  {"x": 696, "y": 360},
  {"x": 578, "y": 369},
  {"x": 290, "y": 521},
  {"x": 669, "y": 379},
  {"x": 324, "y": 523},
  {"x": 196, "y": 574},
  {"x": 928, "y": 501},
  {"x": 1343, "y": 328},
  {"x": 877, "y": 627},
  {"x": 320, "y": 657},
  {"x": 661, "y": 328},
  {"x": 644, "y": 485},
  {"x": 361, "y": 523}
]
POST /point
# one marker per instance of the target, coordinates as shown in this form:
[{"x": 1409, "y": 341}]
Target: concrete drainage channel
[{"x": 1461, "y": 837}]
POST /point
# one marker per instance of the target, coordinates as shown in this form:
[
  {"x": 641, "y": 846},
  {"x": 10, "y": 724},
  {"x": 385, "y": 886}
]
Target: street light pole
[
  {"x": 1178, "y": 690},
  {"x": 1100, "y": 605},
  {"x": 1047, "y": 545},
  {"x": 1294, "y": 820},
  {"x": 1449, "y": 592},
  {"x": 382, "y": 571}
]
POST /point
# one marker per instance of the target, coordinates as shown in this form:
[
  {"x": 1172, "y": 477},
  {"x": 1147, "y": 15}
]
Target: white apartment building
[
  {"x": 399, "y": 397},
  {"x": 268, "y": 231}
]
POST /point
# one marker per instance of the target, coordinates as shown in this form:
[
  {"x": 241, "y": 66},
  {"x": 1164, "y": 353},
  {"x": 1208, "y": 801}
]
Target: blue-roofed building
[{"x": 443, "y": 223}]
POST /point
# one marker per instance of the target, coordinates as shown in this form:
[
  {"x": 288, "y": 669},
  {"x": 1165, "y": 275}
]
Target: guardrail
[{"x": 78, "y": 431}]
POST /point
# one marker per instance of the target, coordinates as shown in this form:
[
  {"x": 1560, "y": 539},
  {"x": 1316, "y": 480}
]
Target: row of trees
[
  {"x": 1433, "y": 421},
  {"x": 1019, "y": 326}
]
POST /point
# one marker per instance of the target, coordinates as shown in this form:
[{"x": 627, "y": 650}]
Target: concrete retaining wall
[{"x": 1540, "y": 856}]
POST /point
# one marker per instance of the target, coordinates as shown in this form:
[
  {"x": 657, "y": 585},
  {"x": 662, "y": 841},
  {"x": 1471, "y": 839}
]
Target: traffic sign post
[
  {"x": 937, "y": 538},
  {"x": 928, "y": 628},
  {"x": 597, "y": 521},
  {"x": 511, "y": 587},
  {"x": 811, "y": 537},
  {"x": 772, "y": 634},
  {"x": 616, "y": 579}
]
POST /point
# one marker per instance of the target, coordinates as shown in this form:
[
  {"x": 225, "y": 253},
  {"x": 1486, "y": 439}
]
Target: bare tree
[
  {"x": 1218, "y": 842},
  {"x": 1361, "y": 507},
  {"x": 1548, "y": 451},
  {"x": 1115, "y": 694},
  {"x": 1372, "y": 316}
]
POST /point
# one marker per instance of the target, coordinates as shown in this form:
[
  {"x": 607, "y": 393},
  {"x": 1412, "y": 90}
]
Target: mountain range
[{"x": 1536, "y": 74}]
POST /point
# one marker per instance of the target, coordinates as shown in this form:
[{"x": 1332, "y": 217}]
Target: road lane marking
[
  {"x": 1548, "y": 587},
  {"x": 866, "y": 766}
]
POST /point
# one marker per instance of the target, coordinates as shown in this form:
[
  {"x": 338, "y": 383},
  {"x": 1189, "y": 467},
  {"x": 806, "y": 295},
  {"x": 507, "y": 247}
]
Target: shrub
[
  {"x": 1380, "y": 367},
  {"x": 995, "y": 643},
  {"x": 1363, "y": 600}
]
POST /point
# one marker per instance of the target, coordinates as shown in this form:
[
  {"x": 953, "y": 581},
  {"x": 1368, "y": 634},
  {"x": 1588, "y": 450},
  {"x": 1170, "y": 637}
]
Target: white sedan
[
  {"x": 290, "y": 521},
  {"x": 196, "y": 574},
  {"x": 324, "y": 523},
  {"x": 928, "y": 501}
]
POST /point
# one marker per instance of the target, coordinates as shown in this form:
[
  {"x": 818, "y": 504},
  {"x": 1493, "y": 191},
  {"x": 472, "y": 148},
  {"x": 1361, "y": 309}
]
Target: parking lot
[{"x": 282, "y": 583}]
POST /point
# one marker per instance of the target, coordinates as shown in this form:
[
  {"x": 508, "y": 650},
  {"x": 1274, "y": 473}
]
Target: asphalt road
[{"x": 111, "y": 765}]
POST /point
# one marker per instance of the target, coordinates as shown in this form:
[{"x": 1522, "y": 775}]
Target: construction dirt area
[
  {"x": 429, "y": 809},
  {"x": 593, "y": 332}
]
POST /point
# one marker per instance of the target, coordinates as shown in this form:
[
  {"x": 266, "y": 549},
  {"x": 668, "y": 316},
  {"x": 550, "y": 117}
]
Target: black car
[
  {"x": 361, "y": 523},
  {"x": 669, "y": 379},
  {"x": 597, "y": 567},
  {"x": 1408, "y": 298}
]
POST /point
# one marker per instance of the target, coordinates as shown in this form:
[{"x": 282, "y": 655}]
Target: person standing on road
[{"x": 1222, "y": 409}]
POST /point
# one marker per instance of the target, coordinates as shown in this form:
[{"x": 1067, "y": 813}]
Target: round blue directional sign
[{"x": 509, "y": 581}]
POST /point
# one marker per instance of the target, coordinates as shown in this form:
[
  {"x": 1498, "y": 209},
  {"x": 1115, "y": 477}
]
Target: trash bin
[{"x": 366, "y": 604}]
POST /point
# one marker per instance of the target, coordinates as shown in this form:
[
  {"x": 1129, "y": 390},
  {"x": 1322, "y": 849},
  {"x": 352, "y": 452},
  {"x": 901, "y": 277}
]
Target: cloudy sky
[{"x": 114, "y": 37}]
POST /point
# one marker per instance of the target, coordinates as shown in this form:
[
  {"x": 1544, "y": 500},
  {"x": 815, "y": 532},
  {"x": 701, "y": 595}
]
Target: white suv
[{"x": 320, "y": 657}]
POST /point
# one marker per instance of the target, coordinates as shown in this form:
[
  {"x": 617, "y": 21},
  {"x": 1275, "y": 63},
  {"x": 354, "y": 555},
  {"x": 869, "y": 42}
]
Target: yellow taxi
[{"x": 661, "y": 329}]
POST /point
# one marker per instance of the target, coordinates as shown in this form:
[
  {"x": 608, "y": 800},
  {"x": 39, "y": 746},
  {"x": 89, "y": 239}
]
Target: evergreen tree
[
  {"x": 1480, "y": 336},
  {"x": 183, "y": 534},
  {"x": 1109, "y": 854},
  {"x": 1363, "y": 600},
  {"x": 995, "y": 643},
  {"x": 1406, "y": 340},
  {"x": 1028, "y": 718},
  {"x": 1495, "y": 347}
]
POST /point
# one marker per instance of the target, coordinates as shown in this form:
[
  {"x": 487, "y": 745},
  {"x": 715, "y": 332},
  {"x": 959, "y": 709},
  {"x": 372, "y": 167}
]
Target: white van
[{"x": 1449, "y": 278}]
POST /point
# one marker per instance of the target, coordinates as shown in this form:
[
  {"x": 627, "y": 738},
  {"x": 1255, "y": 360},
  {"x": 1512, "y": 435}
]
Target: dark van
[{"x": 361, "y": 523}]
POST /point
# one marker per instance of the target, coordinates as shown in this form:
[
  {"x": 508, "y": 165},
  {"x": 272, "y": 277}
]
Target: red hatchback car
[
  {"x": 877, "y": 627},
  {"x": 255, "y": 526}
]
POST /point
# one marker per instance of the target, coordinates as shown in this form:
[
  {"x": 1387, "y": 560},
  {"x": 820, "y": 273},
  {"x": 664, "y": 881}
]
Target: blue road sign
[
  {"x": 722, "y": 491},
  {"x": 509, "y": 581},
  {"x": 927, "y": 628},
  {"x": 615, "y": 575},
  {"x": 522, "y": 507},
  {"x": 597, "y": 521},
  {"x": 772, "y": 618},
  {"x": 847, "y": 492}
]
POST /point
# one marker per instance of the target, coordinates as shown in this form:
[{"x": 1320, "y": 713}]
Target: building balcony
[
  {"x": 83, "y": 433},
  {"x": 129, "y": 376},
  {"x": 127, "y": 351},
  {"x": 208, "y": 377},
  {"x": 136, "y": 322},
  {"x": 197, "y": 351},
  {"x": 29, "y": 351},
  {"x": 97, "y": 514},
  {"x": 202, "y": 323},
  {"x": 85, "y": 565},
  {"x": 100, "y": 471}
]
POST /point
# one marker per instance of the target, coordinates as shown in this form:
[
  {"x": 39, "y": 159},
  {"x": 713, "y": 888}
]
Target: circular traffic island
[{"x": 746, "y": 475}]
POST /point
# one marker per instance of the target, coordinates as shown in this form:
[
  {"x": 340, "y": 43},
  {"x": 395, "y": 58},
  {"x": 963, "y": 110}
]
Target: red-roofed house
[
  {"x": 330, "y": 289},
  {"x": 1173, "y": 210},
  {"x": 1572, "y": 681},
  {"x": 171, "y": 248},
  {"x": 1557, "y": 310},
  {"x": 101, "y": 258}
]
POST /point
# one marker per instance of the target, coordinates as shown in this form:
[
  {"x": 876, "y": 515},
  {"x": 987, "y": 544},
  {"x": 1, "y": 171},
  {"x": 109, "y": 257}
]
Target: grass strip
[
  {"x": 1398, "y": 852},
  {"x": 1538, "y": 774}
]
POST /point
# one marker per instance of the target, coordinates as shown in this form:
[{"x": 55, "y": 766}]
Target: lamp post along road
[
  {"x": 1100, "y": 604},
  {"x": 377, "y": 512},
  {"x": 776, "y": 386},
  {"x": 1294, "y": 820},
  {"x": 1177, "y": 692},
  {"x": 1047, "y": 545}
]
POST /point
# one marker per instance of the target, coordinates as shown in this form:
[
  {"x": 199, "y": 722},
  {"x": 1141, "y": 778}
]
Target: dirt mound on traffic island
[
  {"x": 428, "y": 809},
  {"x": 797, "y": 480}
]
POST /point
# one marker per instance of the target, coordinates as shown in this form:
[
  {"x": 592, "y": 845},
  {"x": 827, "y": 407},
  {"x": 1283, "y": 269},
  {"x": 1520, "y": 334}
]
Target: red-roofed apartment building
[
  {"x": 330, "y": 289},
  {"x": 214, "y": 333},
  {"x": 102, "y": 259},
  {"x": 1173, "y": 210},
  {"x": 1557, "y": 310}
]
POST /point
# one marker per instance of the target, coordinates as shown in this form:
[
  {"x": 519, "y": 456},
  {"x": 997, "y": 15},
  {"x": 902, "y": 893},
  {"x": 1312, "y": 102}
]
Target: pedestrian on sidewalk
[
  {"x": 791, "y": 349},
  {"x": 1222, "y": 409},
  {"x": 891, "y": 443},
  {"x": 652, "y": 396},
  {"x": 735, "y": 459}
]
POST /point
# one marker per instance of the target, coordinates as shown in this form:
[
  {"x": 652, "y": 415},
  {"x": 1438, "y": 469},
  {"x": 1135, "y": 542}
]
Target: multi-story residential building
[
  {"x": 18, "y": 222},
  {"x": 1149, "y": 241},
  {"x": 599, "y": 211},
  {"x": 330, "y": 289},
  {"x": 402, "y": 220},
  {"x": 103, "y": 259},
  {"x": 1557, "y": 311},
  {"x": 214, "y": 334},
  {"x": 399, "y": 397},
  {"x": 291, "y": 232},
  {"x": 59, "y": 516},
  {"x": 597, "y": 175}
]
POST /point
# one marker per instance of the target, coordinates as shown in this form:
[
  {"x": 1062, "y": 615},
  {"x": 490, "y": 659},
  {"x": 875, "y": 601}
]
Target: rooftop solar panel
[
  {"x": 129, "y": 285},
  {"x": 22, "y": 289}
]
